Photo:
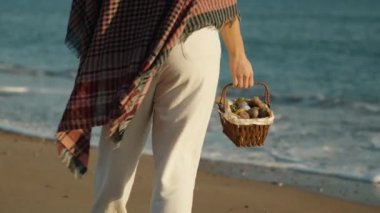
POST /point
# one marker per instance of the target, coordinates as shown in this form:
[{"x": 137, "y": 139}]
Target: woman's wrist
[{"x": 236, "y": 55}]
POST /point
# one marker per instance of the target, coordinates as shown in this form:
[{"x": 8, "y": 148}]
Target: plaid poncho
[{"x": 121, "y": 45}]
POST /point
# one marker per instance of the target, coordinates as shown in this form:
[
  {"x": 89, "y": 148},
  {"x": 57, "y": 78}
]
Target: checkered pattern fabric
[{"x": 121, "y": 45}]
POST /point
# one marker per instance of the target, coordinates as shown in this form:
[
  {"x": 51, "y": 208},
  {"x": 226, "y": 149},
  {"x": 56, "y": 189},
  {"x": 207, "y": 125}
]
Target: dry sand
[{"x": 34, "y": 180}]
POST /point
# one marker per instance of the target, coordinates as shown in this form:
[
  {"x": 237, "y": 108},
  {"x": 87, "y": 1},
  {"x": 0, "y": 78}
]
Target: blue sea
[{"x": 321, "y": 59}]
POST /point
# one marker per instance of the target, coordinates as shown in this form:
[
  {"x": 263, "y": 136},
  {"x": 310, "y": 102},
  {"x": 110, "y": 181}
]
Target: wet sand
[{"x": 34, "y": 180}]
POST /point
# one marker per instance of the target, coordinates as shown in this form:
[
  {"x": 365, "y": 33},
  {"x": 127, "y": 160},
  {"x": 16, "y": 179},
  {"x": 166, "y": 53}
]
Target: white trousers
[{"x": 178, "y": 107}]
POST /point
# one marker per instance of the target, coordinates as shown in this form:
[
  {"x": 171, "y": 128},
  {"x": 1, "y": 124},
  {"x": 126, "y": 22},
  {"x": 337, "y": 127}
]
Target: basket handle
[{"x": 223, "y": 99}]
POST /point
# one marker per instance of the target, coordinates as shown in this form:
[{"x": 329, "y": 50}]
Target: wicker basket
[{"x": 244, "y": 132}]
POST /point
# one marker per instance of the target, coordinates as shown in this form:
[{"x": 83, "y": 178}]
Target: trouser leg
[
  {"x": 183, "y": 103},
  {"x": 116, "y": 168}
]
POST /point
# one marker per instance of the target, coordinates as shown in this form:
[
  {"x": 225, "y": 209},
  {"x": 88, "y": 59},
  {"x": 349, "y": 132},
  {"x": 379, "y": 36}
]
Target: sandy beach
[{"x": 34, "y": 180}]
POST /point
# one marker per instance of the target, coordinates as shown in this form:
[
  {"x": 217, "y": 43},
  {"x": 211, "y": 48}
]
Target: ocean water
[{"x": 321, "y": 59}]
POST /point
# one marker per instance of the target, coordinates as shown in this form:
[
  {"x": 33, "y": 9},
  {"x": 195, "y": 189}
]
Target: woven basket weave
[{"x": 244, "y": 132}]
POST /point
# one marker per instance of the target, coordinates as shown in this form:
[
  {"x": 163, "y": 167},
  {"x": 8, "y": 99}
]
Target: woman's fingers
[
  {"x": 244, "y": 80},
  {"x": 251, "y": 81},
  {"x": 235, "y": 81},
  {"x": 241, "y": 80},
  {"x": 242, "y": 73},
  {"x": 247, "y": 81}
]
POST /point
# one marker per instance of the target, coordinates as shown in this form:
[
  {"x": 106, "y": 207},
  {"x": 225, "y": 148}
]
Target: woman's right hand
[{"x": 242, "y": 73}]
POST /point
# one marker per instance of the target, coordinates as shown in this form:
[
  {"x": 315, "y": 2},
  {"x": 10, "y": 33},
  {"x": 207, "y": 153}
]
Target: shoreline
[
  {"x": 350, "y": 190},
  {"x": 345, "y": 188},
  {"x": 324, "y": 185},
  {"x": 35, "y": 180}
]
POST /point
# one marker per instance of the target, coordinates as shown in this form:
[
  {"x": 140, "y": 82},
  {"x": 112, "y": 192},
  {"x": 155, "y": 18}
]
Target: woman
[{"x": 147, "y": 63}]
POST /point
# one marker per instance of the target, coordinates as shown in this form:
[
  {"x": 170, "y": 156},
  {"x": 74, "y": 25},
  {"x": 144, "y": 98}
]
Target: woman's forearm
[{"x": 233, "y": 39}]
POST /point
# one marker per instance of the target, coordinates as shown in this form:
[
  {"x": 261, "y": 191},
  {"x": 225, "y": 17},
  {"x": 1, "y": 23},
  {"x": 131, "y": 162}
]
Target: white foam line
[
  {"x": 10, "y": 89},
  {"x": 26, "y": 132},
  {"x": 376, "y": 179}
]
